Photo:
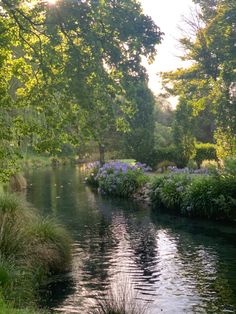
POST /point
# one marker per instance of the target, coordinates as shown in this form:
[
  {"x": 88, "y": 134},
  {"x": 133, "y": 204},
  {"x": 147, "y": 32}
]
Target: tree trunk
[{"x": 102, "y": 154}]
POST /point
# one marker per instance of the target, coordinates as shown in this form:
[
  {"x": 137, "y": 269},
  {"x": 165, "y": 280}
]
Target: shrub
[
  {"x": 197, "y": 196},
  {"x": 173, "y": 189},
  {"x": 192, "y": 165},
  {"x": 92, "y": 169},
  {"x": 169, "y": 190},
  {"x": 165, "y": 164},
  {"x": 209, "y": 164},
  {"x": 230, "y": 166},
  {"x": 120, "y": 179},
  {"x": 166, "y": 153},
  {"x": 155, "y": 189},
  {"x": 211, "y": 197},
  {"x": 211, "y": 167},
  {"x": 205, "y": 151}
]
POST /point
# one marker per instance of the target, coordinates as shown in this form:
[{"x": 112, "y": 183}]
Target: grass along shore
[{"x": 31, "y": 249}]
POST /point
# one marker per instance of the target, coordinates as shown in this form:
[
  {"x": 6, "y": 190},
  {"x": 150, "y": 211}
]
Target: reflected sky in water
[{"x": 171, "y": 264}]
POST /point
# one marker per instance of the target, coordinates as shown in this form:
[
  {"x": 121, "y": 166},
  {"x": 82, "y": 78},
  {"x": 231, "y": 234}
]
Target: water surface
[{"x": 175, "y": 264}]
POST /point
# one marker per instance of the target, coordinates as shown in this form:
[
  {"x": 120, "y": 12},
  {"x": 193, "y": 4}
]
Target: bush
[
  {"x": 169, "y": 190},
  {"x": 120, "y": 179},
  {"x": 209, "y": 164},
  {"x": 230, "y": 166},
  {"x": 166, "y": 153},
  {"x": 172, "y": 191},
  {"x": 211, "y": 197},
  {"x": 205, "y": 151},
  {"x": 192, "y": 165},
  {"x": 92, "y": 171},
  {"x": 197, "y": 196},
  {"x": 165, "y": 164},
  {"x": 155, "y": 191}
]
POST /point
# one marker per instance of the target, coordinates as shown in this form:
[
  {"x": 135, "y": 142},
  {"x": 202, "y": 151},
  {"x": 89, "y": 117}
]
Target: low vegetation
[
  {"x": 32, "y": 248},
  {"x": 118, "y": 178},
  {"x": 209, "y": 196},
  {"x": 121, "y": 298},
  {"x": 208, "y": 192}
]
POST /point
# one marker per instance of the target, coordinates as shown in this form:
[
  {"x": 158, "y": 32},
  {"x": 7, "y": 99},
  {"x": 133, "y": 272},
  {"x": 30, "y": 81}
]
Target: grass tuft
[
  {"x": 121, "y": 298},
  {"x": 31, "y": 248}
]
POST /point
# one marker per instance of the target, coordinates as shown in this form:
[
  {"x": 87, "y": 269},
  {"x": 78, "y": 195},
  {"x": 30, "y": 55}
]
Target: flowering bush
[
  {"x": 211, "y": 197},
  {"x": 119, "y": 178},
  {"x": 197, "y": 196},
  {"x": 169, "y": 190}
]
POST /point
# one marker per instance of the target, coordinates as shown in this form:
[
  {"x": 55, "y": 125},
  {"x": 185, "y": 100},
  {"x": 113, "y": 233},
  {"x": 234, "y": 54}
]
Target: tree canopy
[{"x": 67, "y": 70}]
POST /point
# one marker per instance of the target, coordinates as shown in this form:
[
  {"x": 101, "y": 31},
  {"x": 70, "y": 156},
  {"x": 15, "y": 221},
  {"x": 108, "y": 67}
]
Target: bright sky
[{"x": 167, "y": 14}]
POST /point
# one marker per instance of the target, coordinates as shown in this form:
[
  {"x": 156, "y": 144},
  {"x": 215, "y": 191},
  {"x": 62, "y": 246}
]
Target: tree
[
  {"x": 139, "y": 141},
  {"x": 203, "y": 88},
  {"x": 72, "y": 64}
]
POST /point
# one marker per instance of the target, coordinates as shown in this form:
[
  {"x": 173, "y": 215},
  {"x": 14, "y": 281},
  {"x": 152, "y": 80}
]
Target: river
[{"x": 168, "y": 264}]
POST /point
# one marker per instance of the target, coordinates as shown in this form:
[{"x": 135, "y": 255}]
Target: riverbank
[
  {"x": 208, "y": 195},
  {"x": 32, "y": 248}
]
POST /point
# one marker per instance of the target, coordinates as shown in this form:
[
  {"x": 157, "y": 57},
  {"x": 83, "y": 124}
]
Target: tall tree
[
  {"x": 74, "y": 61},
  {"x": 203, "y": 88}
]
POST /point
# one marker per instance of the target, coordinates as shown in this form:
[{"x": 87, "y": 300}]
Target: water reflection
[{"x": 178, "y": 265}]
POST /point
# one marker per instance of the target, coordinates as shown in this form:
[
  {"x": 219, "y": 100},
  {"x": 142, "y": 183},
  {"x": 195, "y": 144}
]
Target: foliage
[
  {"x": 205, "y": 104},
  {"x": 50, "y": 245},
  {"x": 155, "y": 191},
  {"x": 192, "y": 165},
  {"x": 211, "y": 165},
  {"x": 120, "y": 179},
  {"x": 31, "y": 247},
  {"x": 169, "y": 190},
  {"x": 165, "y": 153},
  {"x": 225, "y": 143},
  {"x": 165, "y": 164},
  {"x": 162, "y": 135},
  {"x": 67, "y": 72},
  {"x": 6, "y": 308},
  {"x": 229, "y": 167},
  {"x": 211, "y": 197},
  {"x": 138, "y": 141},
  {"x": 205, "y": 151}
]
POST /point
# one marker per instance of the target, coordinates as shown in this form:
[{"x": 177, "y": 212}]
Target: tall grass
[
  {"x": 121, "y": 298},
  {"x": 31, "y": 248}
]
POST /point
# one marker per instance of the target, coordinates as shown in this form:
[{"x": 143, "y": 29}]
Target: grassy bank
[
  {"x": 209, "y": 195},
  {"x": 32, "y": 248}
]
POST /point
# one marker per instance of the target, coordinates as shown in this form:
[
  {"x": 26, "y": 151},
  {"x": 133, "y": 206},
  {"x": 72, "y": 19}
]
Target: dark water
[{"x": 175, "y": 264}]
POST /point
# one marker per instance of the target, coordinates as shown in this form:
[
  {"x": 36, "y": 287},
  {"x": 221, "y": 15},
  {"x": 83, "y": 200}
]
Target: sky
[{"x": 167, "y": 14}]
